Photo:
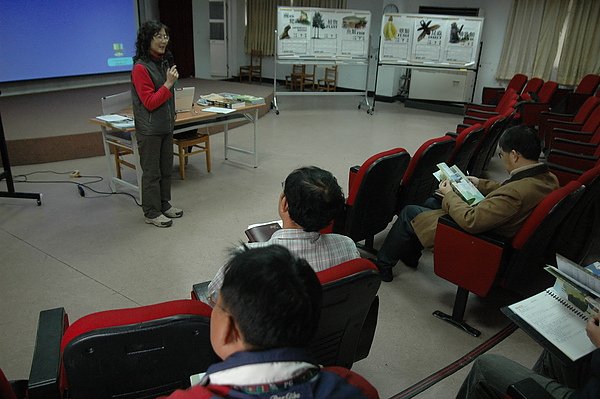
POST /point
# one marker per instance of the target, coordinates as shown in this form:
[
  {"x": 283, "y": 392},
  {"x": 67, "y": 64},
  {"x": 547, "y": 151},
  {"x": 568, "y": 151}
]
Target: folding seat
[
  {"x": 487, "y": 146},
  {"x": 581, "y": 162},
  {"x": 485, "y": 111},
  {"x": 348, "y": 314},
  {"x": 573, "y": 131},
  {"x": 478, "y": 262},
  {"x": 579, "y": 230},
  {"x": 531, "y": 89},
  {"x": 533, "y": 106},
  {"x": 418, "y": 182},
  {"x": 141, "y": 352},
  {"x": 576, "y": 146},
  {"x": 585, "y": 89},
  {"x": 549, "y": 120},
  {"x": 466, "y": 143},
  {"x": 372, "y": 195},
  {"x": 492, "y": 95}
]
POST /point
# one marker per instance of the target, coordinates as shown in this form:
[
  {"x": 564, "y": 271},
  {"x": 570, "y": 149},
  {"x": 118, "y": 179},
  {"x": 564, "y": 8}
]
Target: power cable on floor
[{"x": 24, "y": 178}]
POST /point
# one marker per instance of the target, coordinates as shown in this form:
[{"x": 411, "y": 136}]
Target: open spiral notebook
[{"x": 560, "y": 313}]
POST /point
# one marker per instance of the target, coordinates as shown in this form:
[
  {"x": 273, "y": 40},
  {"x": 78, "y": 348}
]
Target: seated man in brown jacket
[{"x": 503, "y": 211}]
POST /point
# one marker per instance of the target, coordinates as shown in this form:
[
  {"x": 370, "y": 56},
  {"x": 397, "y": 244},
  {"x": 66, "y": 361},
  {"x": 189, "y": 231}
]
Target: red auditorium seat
[
  {"x": 535, "y": 105},
  {"x": 586, "y": 132},
  {"x": 348, "y": 314},
  {"x": 418, "y": 182},
  {"x": 531, "y": 89},
  {"x": 140, "y": 352},
  {"x": 466, "y": 144},
  {"x": 477, "y": 262},
  {"x": 549, "y": 120},
  {"x": 372, "y": 195},
  {"x": 492, "y": 95}
]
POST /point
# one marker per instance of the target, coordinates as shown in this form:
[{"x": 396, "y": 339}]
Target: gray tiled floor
[{"x": 90, "y": 254}]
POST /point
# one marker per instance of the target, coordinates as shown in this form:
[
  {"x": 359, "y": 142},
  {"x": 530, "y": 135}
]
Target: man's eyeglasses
[
  {"x": 161, "y": 37},
  {"x": 212, "y": 298}
]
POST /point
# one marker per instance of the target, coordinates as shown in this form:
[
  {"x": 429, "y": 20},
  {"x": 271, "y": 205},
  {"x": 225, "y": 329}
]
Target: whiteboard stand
[{"x": 364, "y": 100}]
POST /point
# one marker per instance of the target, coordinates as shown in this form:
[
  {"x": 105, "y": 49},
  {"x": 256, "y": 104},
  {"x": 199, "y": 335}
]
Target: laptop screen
[{"x": 184, "y": 98}]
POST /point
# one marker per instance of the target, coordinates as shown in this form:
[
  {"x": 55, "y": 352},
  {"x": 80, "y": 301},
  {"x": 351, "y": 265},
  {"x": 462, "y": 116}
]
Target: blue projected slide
[{"x": 48, "y": 39}]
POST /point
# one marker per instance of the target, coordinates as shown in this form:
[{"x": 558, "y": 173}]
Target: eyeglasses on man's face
[{"x": 158, "y": 36}]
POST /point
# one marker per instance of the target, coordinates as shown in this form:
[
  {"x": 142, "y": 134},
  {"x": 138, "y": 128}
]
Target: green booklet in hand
[{"x": 460, "y": 183}]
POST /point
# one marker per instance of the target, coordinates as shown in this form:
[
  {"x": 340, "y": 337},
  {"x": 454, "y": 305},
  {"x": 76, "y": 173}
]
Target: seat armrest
[
  {"x": 365, "y": 339},
  {"x": 527, "y": 389},
  {"x": 472, "y": 120},
  {"x": 44, "y": 377},
  {"x": 574, "y": 146},
  {"x": 452, "y": 134},
  {"x": 479, "y": 107},
  {"x": 570, "y": 134},
  {"x": 480, "y": 113},
  {"x": 491, "y": 238},
  {"x": 351, "y": 175}
]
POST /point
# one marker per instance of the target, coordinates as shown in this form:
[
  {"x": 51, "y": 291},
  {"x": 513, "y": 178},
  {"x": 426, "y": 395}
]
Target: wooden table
[{"x": 193, "y": 119}]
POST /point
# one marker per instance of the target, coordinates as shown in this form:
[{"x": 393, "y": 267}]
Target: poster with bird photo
[{"x": 322, "y": 33}]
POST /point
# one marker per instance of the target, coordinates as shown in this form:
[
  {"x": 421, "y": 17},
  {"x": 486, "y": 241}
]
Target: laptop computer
[{"x": 184, "y": 98}]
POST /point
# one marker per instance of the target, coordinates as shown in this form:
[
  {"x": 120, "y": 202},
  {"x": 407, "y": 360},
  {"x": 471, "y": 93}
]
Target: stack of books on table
[
  {"x": 251, "y": 100},
  {"x": 230, "y": 100},
  {"x": 220, "y": 101}
]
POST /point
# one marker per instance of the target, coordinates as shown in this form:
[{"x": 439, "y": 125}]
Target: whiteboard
[
  {"x": 430, "y": 40},
  {"x": 322, "y": 34}
]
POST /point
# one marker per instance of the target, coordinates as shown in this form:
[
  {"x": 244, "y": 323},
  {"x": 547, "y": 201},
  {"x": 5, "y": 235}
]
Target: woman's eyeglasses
[{"x": 161, "y": 37}]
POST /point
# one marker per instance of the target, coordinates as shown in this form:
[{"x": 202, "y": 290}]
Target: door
[
  {"x": 179, "y": 20},
  {"x": 217, "y": 19}
]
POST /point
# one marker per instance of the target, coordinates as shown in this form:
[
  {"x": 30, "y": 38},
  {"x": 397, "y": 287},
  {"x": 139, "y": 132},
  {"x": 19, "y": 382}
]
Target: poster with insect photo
[
  {"x": 322, "y": 33},
  {"x": 432, "y": 40}
]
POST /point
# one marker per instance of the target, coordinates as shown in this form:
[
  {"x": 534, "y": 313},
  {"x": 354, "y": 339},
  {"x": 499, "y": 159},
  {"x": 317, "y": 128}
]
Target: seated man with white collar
[
  {"x": 310, "y": 200},
  {"x": 265, "y": 313}
]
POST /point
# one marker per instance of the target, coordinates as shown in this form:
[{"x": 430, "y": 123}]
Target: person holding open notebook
[
  {"x": 504, "y": 209},
  {"x": 152, "y": 80},
  {"x": 491, "y": 375}
]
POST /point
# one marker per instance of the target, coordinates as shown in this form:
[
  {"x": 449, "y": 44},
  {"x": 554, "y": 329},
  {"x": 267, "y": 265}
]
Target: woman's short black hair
[
  {"x": 523, "y": 140},
  {"x": 314, "y": 197},
  {"x": 144, "y": 38},
  {"x": 274, "y": 297}
]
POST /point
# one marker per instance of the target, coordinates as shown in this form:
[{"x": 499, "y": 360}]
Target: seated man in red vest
[
  {"x": 265, "y": 313},
  {"x": 505, "y": 207}
]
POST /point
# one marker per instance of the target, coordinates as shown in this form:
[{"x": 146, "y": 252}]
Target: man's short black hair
[
  {"x": 274, "y": 297},
  {"x": 314, "y": 197},
  {"x": 523, "y": 140}
]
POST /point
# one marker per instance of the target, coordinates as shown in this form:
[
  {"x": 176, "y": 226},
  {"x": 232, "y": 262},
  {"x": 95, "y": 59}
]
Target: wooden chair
[
  {"x": 255, "y": 67},
  {"x": 119, "y": 142},
  {"x": 310, "y": 79},
  {"x": 296, "y": 78},
  {"x": 329, "y": 81},
  {"x": 191, "y": 143}
]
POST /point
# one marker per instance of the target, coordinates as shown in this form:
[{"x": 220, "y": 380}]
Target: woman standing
[{"x": 153, "y": 78}]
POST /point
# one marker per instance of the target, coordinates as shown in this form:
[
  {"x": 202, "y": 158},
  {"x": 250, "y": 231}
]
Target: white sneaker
[
  {"x": 173, "y": 213},
  {"x": 160, "y": 221}
]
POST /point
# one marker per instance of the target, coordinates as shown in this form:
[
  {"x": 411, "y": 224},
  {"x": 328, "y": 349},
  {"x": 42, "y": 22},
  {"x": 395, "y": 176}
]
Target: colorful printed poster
[
  {"x": 397, "y": 38},
  {"x": 322, "y": 34},
  {"x": 441, "y": 40}
]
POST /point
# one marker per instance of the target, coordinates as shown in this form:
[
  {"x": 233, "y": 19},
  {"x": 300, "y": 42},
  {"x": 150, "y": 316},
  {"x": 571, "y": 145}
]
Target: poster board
[
  {"x": 430, "y": 40},
  {"x": 322, "y": 34}
]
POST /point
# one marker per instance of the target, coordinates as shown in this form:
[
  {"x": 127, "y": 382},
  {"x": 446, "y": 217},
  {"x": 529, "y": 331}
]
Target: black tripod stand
[{"x": 6, "y": 173}]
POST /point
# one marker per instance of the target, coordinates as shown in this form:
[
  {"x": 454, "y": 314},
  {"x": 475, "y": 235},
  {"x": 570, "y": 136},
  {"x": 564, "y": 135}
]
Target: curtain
[
  {"x": 521, "y": 38},
  {"x": 581, "y": 49},
  {"x": 555, "y": 13},
  {"x": 262, "y": 21}
]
